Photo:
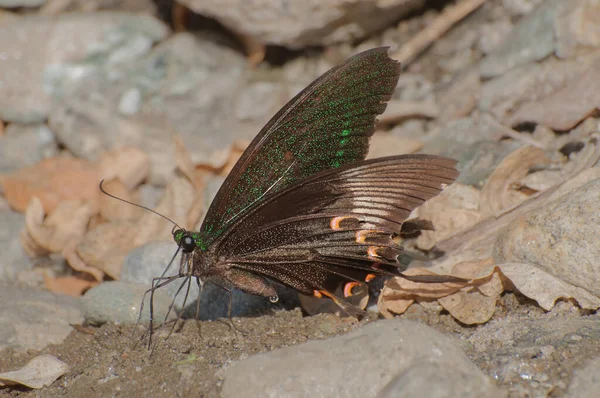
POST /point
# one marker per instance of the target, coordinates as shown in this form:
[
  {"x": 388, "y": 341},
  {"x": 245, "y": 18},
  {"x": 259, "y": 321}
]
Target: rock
[
  {"x": 577, "y": 27},
  {"x": 478, "y": 160},
  {"x": 25, "y": 145},
  {"x": 560, "y": 238},
  {"x": 361, "y": 363},
  {"x": 534, "y": 352},
  {"x": 214, "y": 304},
  {"x": 36, "y": 64},
  {"x": 529, "y": 83},
  {"x": 21, "y": 3},
  {"x": 518, "y": 8},
  {"x": 13, "y": 258},
  {"x": 532, "y": 39},
  {"x": 435, "y": 380},
  {"x": 586, "y": 380},
  {"x": 454, "y": 136},
  {"x": 150, "y": 260},
  {"x": 305, "y": 23},
  {"x": 185, "y": 85},
  {"x": 119, "y": 302},
  {"x": 33, "y": 319}
]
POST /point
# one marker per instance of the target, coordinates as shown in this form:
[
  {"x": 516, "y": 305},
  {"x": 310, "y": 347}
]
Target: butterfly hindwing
[
  {"x": 335, "y": 228},
  {"x": 325, "y": 126}
]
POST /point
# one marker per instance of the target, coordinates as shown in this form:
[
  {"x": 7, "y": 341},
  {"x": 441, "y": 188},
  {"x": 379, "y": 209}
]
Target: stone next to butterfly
[{"x": 303, "y": 207}]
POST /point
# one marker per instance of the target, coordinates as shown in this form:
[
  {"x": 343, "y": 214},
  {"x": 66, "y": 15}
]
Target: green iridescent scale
[{"x": 325, "y": 126}]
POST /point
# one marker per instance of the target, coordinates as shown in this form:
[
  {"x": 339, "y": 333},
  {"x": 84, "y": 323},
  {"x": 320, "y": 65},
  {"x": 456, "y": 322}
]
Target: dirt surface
[{"x": 107, "y": 361}]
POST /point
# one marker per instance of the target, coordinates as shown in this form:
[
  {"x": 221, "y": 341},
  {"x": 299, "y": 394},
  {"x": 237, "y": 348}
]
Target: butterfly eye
[{"x": 187, "y": 244}]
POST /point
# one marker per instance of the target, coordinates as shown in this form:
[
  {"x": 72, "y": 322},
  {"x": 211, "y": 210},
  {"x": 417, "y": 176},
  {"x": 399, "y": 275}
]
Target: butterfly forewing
[{"x": 325, "y": 126}]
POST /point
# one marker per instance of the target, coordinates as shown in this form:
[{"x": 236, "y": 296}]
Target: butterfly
[{"x": 302, "y": 206}]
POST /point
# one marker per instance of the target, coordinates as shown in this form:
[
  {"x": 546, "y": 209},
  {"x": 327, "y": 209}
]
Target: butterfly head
[{"x": 188, "y": 241}]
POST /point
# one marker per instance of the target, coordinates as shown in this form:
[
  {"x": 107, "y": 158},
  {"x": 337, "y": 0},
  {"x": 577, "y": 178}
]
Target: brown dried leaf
[
  {"x": 115, "y": 210},
  {"x": 391, "y": 308},
  {"x": 75, "y": 262},
  {"x": 53, "y": 181},
  {"x": 454, "y": 210},
  {"x": 130, "y": 165},
  {"x": 545, "y": 288},
  {"x": 70, "y": 285},
  {"x": 565, "y": 108},
  {"x": 469, "y": 307},
  {"x": 68, "y": 222},
  {"x": 41, "y": 371},
  {"x": 105, "y": 247},
  {"x": 186, "y": 165},
  {"x": 498, "y": 192}
]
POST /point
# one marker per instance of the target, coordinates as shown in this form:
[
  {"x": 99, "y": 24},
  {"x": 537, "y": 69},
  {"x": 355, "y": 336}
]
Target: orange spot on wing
[
  {"x": 348, "y": 288},
  {"x": 317, "y": 294},
  {"x": 335, "y": 222},
  {"x": 372, "y": 251},
  {"x": 363, "y": 234},
  {"x": 369, "y": 277}
]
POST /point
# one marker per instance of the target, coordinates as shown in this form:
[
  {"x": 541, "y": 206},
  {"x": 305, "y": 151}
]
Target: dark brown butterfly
[{"x": 302, "y": 207}]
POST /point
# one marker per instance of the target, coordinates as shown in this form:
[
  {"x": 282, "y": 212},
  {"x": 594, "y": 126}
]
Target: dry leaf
[
  {"x": 66, "y": 223},
  {"x": 105, "y": 247},
  {"x": 130, "y": 165},
  {"x": 70, "y": 285},
  {"x": 115, "y": 210},
  {"x": 545, "y": 288},
  {"x": 498, "y": 192},
  {"x": 41, "y": 371},
  {"x": 399, "y": 293},
  {"x": 391, "y": 308},
  {"x": 469, "y": 307},
  {"x": 185, "y": 164},
  {"x": 52, "y": 180},
  {"x": 453, "y": 210},
  {"x": 75, "y": 262}
]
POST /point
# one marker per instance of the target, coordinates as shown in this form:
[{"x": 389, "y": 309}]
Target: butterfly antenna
[{"x": 137, "y": 205}]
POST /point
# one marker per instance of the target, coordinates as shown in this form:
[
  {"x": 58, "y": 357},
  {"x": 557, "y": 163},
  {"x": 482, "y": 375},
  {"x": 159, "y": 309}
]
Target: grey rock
[
  {"x": 33, "y": 319},
  {"x": 25, "y": 145},
  {"x": 535, "y": 352},
  {"x": 120, "y": 302},
  {"x": 520, "y": 7},
  {"x": 454, "y": 136},
  {"x": 214, "y": 304},
  {"x": 13, "y": 258},
  {"x": 36, "y": 64},
  {"x": 478, "y": 160},
  {"x": 150, "y": 260},
  {"x": 359, "y": 364},
  {"x": 586, "y": 380},
  {"x": 21, "y": 3},
  {"x": 432, "y": 379},
  {"x": 185, "y": 84},
  {"x": 298, "y": 24},
  {"x": 560, "y": 238},
  {"x": 532, "y": 39}
]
